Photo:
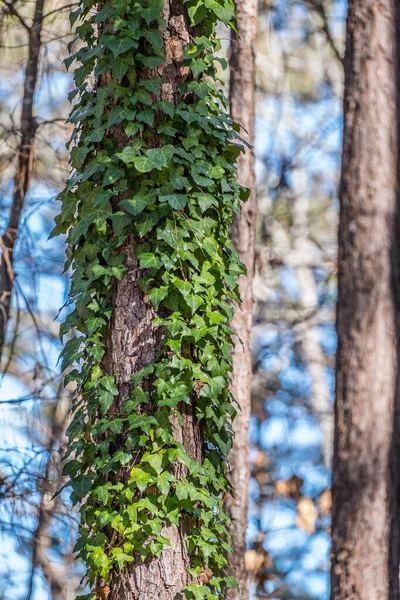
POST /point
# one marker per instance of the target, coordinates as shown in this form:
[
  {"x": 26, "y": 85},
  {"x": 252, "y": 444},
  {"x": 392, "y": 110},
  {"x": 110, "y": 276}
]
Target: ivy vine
[{"x": 172, "y": 189}]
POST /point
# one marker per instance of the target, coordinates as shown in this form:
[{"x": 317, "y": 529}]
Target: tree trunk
[
  {"x": 131, "y": 345},
  {"x": 23, "y": 171},
  {"x": 242, "y": 101},
  {"x": 364, "y": 517}
]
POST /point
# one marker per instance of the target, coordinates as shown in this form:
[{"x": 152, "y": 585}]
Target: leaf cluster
[{"x": 162, "y": 174}]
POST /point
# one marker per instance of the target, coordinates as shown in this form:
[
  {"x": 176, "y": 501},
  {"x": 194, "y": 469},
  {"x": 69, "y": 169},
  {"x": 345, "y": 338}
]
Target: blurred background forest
[{"x": 298, "y": 128}]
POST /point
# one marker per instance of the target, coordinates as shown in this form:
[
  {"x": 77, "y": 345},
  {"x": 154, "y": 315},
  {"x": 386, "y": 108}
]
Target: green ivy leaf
[
  {"x": 146, "y": 116},
  {"x": 120, "y": 114},
  {"x": 155, "y": 461},
  {"x": 121, "y": 65},
  {"x": 216, "y": 172},
  {"x": 152, "y": 85},
  {"x": 140, "y": 478},
  {"x": 153, "y": 13},
  {"x": 138, "y": 203},
  {"x": 118, "y": 45},
  {"x": 101, "y": 493},
  {"x": 196, "y": 591},
  {"x": 151, "y": 62},
  {"x": 112, "y": 174},
  {"x": 224, "y": 9},
  {"x": 156, "y": 158},
  {"x": 82, "y": 485},
  {"x": 148, "y": 260},
  {"x": 177, "y": 201},
  {"x": 122, "y": 457},
  {"x": 205, "y": 201},
  {"x": 71, "y": 468},
  {"x": 156, "y": 295},
  {"x": 78, "y": 155},
  {"x": 198, "y": 66},
  {"x": 164, "y": 482},
  {"x": 197, "y": 12},
  {"x": 194, "y": 301}
]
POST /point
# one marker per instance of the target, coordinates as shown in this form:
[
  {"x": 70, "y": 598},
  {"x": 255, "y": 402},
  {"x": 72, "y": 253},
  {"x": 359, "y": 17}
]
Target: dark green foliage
[{"x": 177, "y": 180}]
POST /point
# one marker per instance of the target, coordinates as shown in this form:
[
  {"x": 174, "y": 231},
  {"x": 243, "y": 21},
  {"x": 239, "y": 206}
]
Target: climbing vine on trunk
[{"x": 147, "y": 212}]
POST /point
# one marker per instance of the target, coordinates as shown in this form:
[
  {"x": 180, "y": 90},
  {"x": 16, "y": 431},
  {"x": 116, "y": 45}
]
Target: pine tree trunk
[
  {"x": 132, "y": 343},
  {"x": 365, "y": 466},
  {"x": 242, "y": 101}
]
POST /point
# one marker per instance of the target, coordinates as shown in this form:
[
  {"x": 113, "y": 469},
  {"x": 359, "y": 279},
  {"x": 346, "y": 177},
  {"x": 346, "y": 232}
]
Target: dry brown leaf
[
  {"x": 289, "y": 487},
  {"x": 205, "y": 577},
  {"x": 198, "y": 386},
  {"x": 261, "y": 460},
  {"x": 307, "y": 515},
  {"x": 325, "y": 502},
  {"x": 262, "y": 477},
  {"x": 102, "y": 592},
  {"x": 254, "y": 560}
]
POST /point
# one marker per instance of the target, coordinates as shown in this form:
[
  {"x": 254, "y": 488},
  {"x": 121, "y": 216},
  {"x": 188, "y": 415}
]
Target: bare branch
[
  {"x": 57, "y": 10},
  {"x": 13, "y": 11},
  {"x": 23, "y": 170},
  {"x": 319, "y": 7}
]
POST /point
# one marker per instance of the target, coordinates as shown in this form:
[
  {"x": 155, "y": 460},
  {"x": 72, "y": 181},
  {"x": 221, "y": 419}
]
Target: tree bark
[
  {"x": 242, "y": 101},
  {"x": 23, "y": 171},
  {"x": 365, "y": 523},
  {"x": 132, "y": 343}
]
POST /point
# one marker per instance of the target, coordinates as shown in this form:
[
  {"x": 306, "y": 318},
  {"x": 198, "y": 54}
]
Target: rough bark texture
[
  {"x": 23, "y": 171},
  {"x": 394, "y": 466},
  {"x": 131, "y": 344},
  {"x": 242, "y": 99},
  {"x": 365, "y": 469}
]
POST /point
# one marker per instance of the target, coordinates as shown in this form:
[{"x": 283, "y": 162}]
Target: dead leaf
[
  {"x": 185, "y": 72},
  {"x": 205, "y": 577},
  {"x": 289, "y": 487},
  {"x": 88, "y": 435},
  {"x": 254, "y": 560},
  {"x": 102, "y": 592},
  {"x": 261, "y": 460},
  {"x": 325, "y": 502},
  {"x": 198, "y": 386},
  {"x": 262, "y": 477},
  {"x": 307, "y": 515}
]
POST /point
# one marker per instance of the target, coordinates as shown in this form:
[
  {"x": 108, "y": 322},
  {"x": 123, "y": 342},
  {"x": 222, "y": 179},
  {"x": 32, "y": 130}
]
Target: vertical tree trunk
[
  {"x": 242, "y": 101},
  {"x": 131, "y": 345},
  {"x": 23, "y": 170},
  {"x": 364, "y": 522}
]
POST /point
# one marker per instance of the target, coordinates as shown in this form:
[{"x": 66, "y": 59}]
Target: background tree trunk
[
  {"x": 364, "y": 522},
  {"x": 23, "y": 171},
  {"x": 242, "y": 101}
]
